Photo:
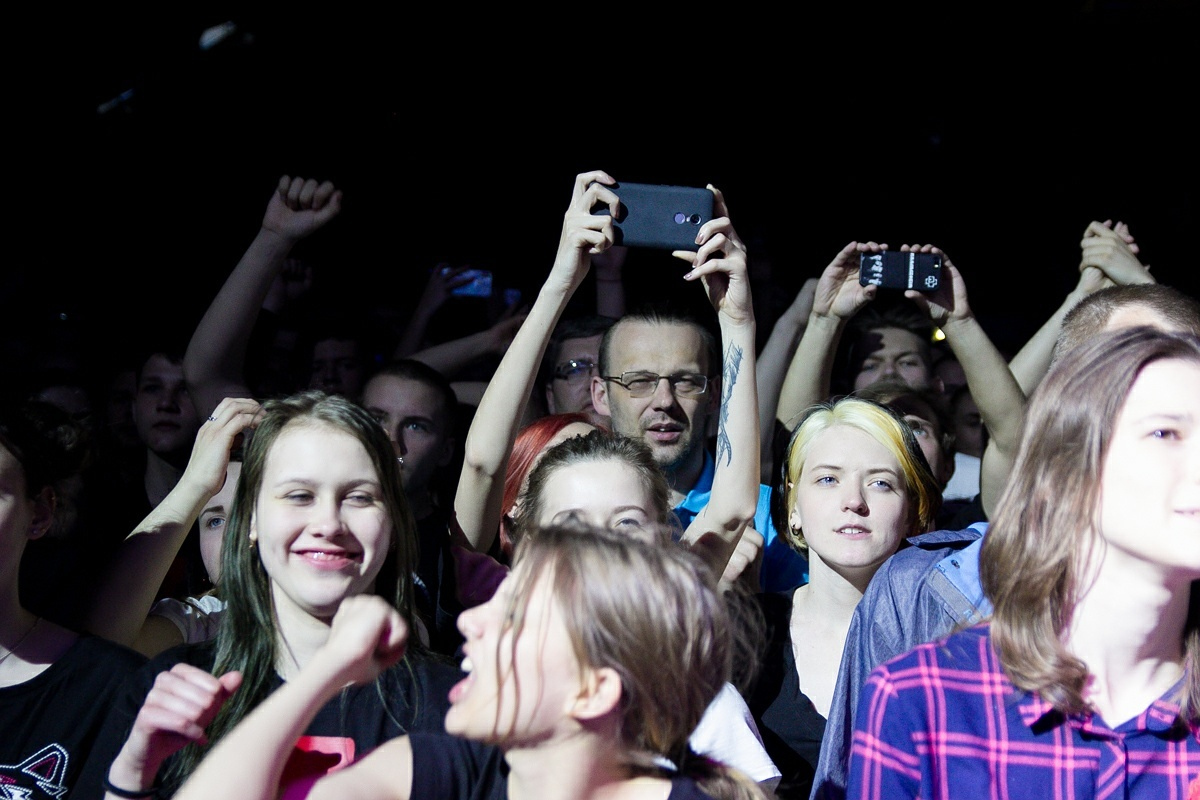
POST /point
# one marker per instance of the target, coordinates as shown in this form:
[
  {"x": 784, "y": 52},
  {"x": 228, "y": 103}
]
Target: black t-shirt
[
  {"x": 448, "y": 768},
  {"x": 412, "y": 696},
  {"x": 436, "y": 587},
  {"x": 49, "y": 724},
  {"x": 791, "y": 727}
]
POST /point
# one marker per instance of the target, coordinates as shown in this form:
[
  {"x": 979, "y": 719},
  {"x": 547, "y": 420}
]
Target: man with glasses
[
  {"x": 570, "y": 364},
  {"x": 656, "y": 383}
]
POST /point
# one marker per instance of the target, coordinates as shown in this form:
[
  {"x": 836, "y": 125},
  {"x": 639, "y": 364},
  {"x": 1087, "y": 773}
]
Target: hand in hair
[
  {"x": 368, "y": 636},
  {"x": 299, "y": 207},
  {"x": 1111, "y": 249},
  {"x": 180, "y": 705},
  {"x": 216, "y": 438},
  {"x": 721, "y": 263}
]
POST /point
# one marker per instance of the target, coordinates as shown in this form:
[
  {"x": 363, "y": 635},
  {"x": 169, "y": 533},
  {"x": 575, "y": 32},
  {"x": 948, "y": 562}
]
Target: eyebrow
[
  {"x": 869, "y": 470},
  {"x": 1165, "y": 415},
  {"x": 219, "y": 507}
]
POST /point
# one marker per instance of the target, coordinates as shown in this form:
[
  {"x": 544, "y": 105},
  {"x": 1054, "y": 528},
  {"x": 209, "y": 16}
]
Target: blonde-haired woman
[
  {"x": 566, "y": 666},
  {"x": 856, "y": 486}
]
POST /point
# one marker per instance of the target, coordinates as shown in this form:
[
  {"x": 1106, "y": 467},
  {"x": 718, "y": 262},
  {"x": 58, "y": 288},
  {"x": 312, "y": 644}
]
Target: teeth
[{"x": 466, "y": 665}]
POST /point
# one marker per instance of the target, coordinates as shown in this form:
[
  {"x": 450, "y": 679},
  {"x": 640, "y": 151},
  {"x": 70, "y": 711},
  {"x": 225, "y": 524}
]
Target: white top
[
  {"x": 197, "y": 617},
  {"x": 964, "y": 484},
  {"x": 727, "y": 733}
]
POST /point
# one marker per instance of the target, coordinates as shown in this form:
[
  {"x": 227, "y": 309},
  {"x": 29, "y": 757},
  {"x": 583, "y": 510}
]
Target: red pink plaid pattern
[{"x": 943, "y": 721}]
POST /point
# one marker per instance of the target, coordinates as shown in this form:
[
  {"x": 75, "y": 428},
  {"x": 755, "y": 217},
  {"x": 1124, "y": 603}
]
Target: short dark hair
[
  {"x": 1088, "y": 319},
  {"x": 573, "y": 328},
  {"x": 904, "y": 399},
  {"x": 421, "y": 372},
  {"x": 654, "y": 315}
]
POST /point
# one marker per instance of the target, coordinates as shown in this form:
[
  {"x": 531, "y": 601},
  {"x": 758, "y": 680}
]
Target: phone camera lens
[{"x": 694, "y": 219}]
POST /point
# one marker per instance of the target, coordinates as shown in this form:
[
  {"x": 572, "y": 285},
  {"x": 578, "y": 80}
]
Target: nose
[
  {"x": 853, "y": 499},
  {"x": 169, "y": 399},
  {"x": 888, "y": 369},
  {"x": 326, "y": 520},
  {"x": 664, "y": 394},
  {"x": 468, "y": 622}
]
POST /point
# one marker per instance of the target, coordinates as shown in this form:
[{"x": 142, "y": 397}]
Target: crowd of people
[{"x": 623, "y": 554}]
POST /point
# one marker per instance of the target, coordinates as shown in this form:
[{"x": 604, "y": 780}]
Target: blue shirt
[{"x": 782, "y": 568}]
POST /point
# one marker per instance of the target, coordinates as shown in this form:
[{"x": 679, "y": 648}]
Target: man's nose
[{"x": 664, "y": 392}]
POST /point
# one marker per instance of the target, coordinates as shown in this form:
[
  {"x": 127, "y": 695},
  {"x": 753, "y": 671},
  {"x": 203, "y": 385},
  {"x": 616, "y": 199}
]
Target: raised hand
[
  {"x": 721, "y": 263},
  {"x": 1112, "y": 249},
  {"x": 838, "y": 293},
  {"x": 299, "y": 207},
  {"x": 442, "y": 282},
  {"x": 366, "y": 638},
  {"x": 949, "y": 302}
]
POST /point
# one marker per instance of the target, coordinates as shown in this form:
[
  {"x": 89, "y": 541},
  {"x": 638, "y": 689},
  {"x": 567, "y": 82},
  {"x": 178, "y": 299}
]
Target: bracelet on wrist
[{"x": 131, "y": 794}]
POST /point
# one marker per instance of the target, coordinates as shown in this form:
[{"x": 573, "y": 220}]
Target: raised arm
[
  {"x": 1108, "y": 257},
  {"x": 1000, "y": 399},
  {"x": 442, "y": 281},
  {"x": 119, "y": 610},
  {"x": 449, "y": 358},
  {"x": 721, "y": 264},
  {"x": 367, "y": 637},
  {"x": 837, "y": 298},
  {"x": 215, "y": 360},
  {"x": 481, "y": 485},
  {"x": 773, "y": 364}
]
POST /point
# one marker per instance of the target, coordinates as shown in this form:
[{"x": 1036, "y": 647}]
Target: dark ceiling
[{"x": 997, "y": 136}]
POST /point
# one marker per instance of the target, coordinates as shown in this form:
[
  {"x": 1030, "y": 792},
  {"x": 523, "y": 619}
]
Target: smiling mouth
[
  {"x": 853, "y": 531},
  {"x": 329, "y": 560}
]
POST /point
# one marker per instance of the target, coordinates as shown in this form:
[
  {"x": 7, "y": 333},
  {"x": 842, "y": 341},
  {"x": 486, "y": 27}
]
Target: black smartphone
[
  {"x": 894, "y": 270},
  {"x": 664, "y": 217}
]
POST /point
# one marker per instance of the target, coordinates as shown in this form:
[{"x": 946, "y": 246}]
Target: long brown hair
[
  {"x": 247, "y": 639},
  {"x": 1045, "y": 527},
  {"x": 645, "y": 608}
]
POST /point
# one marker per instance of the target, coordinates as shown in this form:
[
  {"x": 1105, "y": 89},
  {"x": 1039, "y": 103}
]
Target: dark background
[{"x": 997, "y": 133}]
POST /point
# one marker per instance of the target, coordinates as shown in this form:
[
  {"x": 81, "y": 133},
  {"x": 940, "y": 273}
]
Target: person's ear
[
  {"x": 43, "y": 512},
  {"x": 253, "y": 528},
  {"x": 794, "y": 521},
  {"x": 550, "y": 409},
  {"x": 600, "y": 397},
  {"x": 599, "y": 694}
]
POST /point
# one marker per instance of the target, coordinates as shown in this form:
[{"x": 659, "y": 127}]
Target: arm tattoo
[{"x": 729, "y": 376}]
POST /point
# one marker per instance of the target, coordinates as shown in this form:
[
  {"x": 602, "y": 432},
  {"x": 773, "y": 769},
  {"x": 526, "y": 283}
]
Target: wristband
[{"x": 129, "y": 793}]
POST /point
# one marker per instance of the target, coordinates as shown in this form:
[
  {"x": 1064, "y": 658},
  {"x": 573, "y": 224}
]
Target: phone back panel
[{"x": 665, "y": 217}]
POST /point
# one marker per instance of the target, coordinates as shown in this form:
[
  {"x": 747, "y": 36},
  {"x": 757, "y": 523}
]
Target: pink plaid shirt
[{"x": 943, "y": 721}]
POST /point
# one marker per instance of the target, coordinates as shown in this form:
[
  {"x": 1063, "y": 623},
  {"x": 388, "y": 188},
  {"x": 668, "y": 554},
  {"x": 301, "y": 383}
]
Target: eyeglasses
[
  {"x": 644, "y": 384},
  {"x": 574, "y": 371}
]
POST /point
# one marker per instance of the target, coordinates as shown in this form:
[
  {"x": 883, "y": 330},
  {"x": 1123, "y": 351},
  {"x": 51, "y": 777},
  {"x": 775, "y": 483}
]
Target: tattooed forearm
[{"x": 729, "y": 376}]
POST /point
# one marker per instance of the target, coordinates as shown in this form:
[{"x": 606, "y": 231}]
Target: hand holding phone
[
  {"x": 886, "y": 269},
  {"x": 662, "y": 217}
]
